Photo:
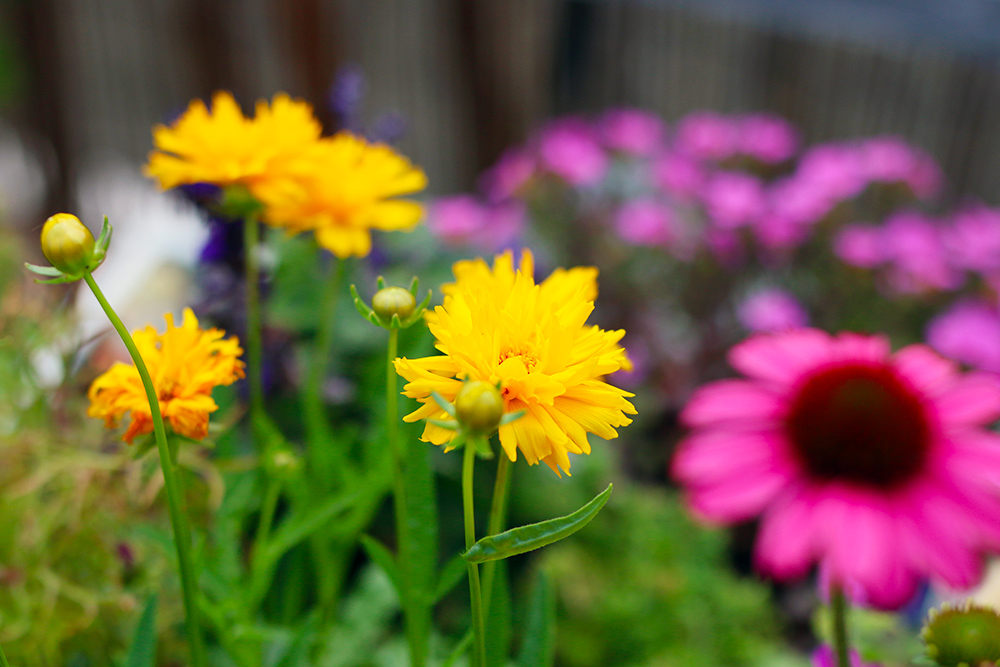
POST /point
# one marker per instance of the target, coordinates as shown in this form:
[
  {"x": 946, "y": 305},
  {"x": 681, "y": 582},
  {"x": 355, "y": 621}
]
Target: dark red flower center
[{"x": 860, "y": 423}]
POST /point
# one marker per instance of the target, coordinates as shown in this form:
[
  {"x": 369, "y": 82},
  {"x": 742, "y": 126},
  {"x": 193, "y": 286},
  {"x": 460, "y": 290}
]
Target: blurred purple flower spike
[
  {"x": 973, "y": 239},
  {"x": 463, "y": 220},
  {"x": 890, "y": 159},
  {"x": 511, "y": 172},
  {"x": 734, "y": 199},
  {"x": 645, "y": 222},
  {"x": 916, "y": 252},
  {"x": 346, "y": 96},
  {"x": 770, "y": 310},
  {"x": 860, "y": 245},
  {"x": 969, "y": 332}
]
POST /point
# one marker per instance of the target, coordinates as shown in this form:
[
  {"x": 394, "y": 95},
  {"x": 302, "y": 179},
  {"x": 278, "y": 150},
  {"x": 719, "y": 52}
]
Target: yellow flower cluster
[
  {"x": 185, "y": 364},
  {"x": 497, "y": 325},
  {"x": 339, "y": 187}
]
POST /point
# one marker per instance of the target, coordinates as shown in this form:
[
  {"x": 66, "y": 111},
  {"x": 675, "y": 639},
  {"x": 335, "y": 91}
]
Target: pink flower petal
[
  {"x": 728, "y": 502},
  {"x": 731, "y": 400},
  {"x": 972, "y": 399},
  {"x": 782, "y": 358},
  {"x": 928, "y": 371},
  {"x": 856, "y": 347},
  {"x": 715, "y": 455},
  {"x": 784, "y": 547}
]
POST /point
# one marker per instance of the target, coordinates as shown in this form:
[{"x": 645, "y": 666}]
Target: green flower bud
[
  {"x": 479, "y": 407},
  {"x": 284, "y": 464},
  {"x": 963, "y": 636},
  {"x": 390, "y": 301},
  {"x": 68, "y": 244}
]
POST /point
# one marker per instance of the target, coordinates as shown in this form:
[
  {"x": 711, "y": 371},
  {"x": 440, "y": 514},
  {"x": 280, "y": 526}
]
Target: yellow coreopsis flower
[
  {"x": 344, "y": 189},
  {"x": 225, "y": 148},
  {"x": 498, "y": 326},
  {"x": 185, "y": 364}
]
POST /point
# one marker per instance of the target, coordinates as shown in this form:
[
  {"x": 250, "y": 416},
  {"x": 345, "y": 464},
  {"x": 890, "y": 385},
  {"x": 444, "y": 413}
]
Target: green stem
[
  {"x": 838, "y": 607},
  {"x": 417, "y": 657},
  {"x": 270, "y": 504},
  {"x": 317, "y": 428},
  {"x": 498, "y": 516},
  {"x": 254, "y": 341},
  {"x": 478, "y": 627},
  {"x": 175, "y": 498},
  {"x": 3, "y": 658}
]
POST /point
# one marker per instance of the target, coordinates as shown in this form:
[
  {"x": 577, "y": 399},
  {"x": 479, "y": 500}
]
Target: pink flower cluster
[
  {"x": 710, "y": 184},
  {"x": 919, "y": 254}
]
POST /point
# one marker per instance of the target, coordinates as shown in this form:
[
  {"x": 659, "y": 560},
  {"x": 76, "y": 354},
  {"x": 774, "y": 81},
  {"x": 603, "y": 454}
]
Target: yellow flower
[
  {"x": 224, "y": 148},
  {"x": 185, "y": 364},
  {"x": 497, "y": 325},
  {"x": 343, "y": 190}
]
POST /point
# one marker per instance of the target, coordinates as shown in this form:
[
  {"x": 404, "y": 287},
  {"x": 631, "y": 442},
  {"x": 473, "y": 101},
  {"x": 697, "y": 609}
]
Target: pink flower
[
  {"x": 892, "y": 160},
  {"x": 708, "y": 136},
  {"x": 913, "y": 246},
  {"x": 771, "y": 310},
  {"x": 569, "y": 150},
  {"x": 770, "y": 139},
  {"x": 511, "y": 172},
  {"x": 734, "y": 199},
  {"x": 834, "y": 171},
  {"x": 969, "y": 332},
  {"x": 632, "y": 131},
  {"x": 680, "y": 175},
  {"x": 798, "y": 200},
  {"x": 463, "y": 220},
  {"x": 875, "y": 466},
  {"x": 973, "y": 239},
  {"x": 824, "y": 657},
  {"x": 645, "y": 222},
  {"x": 860, "y": 245}
]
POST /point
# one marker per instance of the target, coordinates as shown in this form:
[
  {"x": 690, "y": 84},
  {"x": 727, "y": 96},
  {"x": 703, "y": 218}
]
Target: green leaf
[
  {"x": 498, "y": 619},
  {"x": 538, "y": 648},
  {"x": 50, "y": 271},
  {"x": 452, "y": 573},
  {"x": 142, "y": 653},
  {"x": 302, "y": 526},
  {"x": 382, "y": 557},
  {"x": 536, "y": 535},
  {"x": 443, "y": 403}
]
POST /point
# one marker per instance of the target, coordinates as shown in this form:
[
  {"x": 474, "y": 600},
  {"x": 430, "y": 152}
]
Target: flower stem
[
  {"x": 175, "y": 498},
  {"x": 478, "y": 628},
  {"x": 417, "y": 657},
  {"x": 3, "y": 658},
  {"x": 838, "y": 607},
  {"x": 317, "y": 428},
  {"x": 270, "y": 504},
  {"x": 498, "y": 515},
  {"x": 255, "y": 345}
]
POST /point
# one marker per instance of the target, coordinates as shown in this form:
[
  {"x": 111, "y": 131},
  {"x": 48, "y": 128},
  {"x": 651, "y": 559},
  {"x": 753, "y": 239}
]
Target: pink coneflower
[
  {"x": 873, "y": 465},
  {"x": 824, "y": 657}
]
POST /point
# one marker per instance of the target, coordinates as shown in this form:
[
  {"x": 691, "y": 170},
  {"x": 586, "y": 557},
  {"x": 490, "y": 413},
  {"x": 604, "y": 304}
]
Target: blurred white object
[{"x": 155, "y": 246}]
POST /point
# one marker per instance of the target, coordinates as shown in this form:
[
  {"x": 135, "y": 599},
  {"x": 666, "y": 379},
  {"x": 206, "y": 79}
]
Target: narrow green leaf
[
  {"x": 536, "y": 535},
  {"x": 382, "y": 557},
  {"x": 142, "y": 653},
  {"x": 538, "y": 648},
  {"x": 359, "y": 303},
  {"x": 300, "y": 527},
  {"x": 443, "y": 403},
  {"x": 452, "y": 573},
  {"x": 104, "y": 239},
  {"x": 498, "y": 619},
  {"x": 511, "y": 417},
  {"x": 50, "y": 271}
]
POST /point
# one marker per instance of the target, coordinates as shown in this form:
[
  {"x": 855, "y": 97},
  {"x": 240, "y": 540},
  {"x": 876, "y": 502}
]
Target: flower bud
[
  {"x": 965, "y": 636},
  {"x": 479, "y": 407},
  {"x": 390, "y": 301},
  {"x": 67, "y": 244}
]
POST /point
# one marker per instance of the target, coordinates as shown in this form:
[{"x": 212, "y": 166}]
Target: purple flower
[
  {"x": 632, "y": 131},
  {"x": 968, "y": 332},
  {"x": 824, "y": 657},
  {"x": 506, "y": 178},
  {"x": 768, "y": 138},
  {"x": 779, "y": 233},
  {"x": 708, "y": 136},
  {"x": 770, "y": 310},
  {"x": 734, "y": 199},
  {"x": 346, "y": 95},
  {"x": 680, "y": 175},
  {"x": 645, "y": 222},
  {"x": 568, "y": 149},
  {"x": 797, "y": 200}
]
